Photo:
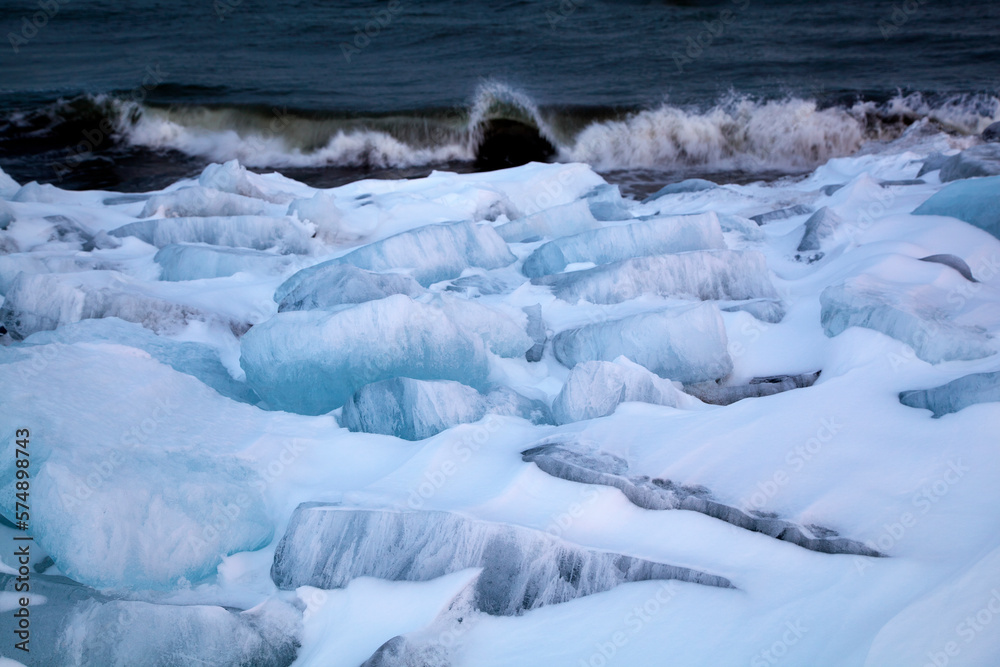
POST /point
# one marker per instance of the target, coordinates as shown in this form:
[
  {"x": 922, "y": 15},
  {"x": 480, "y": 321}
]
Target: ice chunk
[
  {"x": 42, "y": 193},
  {"x": 331, "y": 224},
  {"x": 196, "y": 359},
  {"x": 433, "y": 252},
  {"x": 683, "y": 344},
  {"x": 868, "y": 302},
  {"x": 161, "y": 531},
  {"x": 606, "y": 203},
  {"x": 502, "y": 335},
  {"x": 40, "y": 262},
  {"x": 639, "y": 239},
  {"x": 765, "y": 310},
  {"x": 713, "y": 393},
  {"x": 711, "y": 274},
  {"x": 234, "y": 178},
  {"x": 578, "y": 463},
  {"x": 246, "y": 231},
  {"x": 976, "y": 201},
  {"x": 536, "y": 331},
  {"x": 47, "y": 301},
  {"x": 596, "y": 388},
  {"x": 184, "y": 261},
  {"x": 417, "y": 409},
  {"x": 8, "y": 186},
  {"x": 482, "y": 285},
  {"x": 82, "y": 627},
  {"x": 330, "y": 285},
  {"x": 552, "y": 222},
  {"x": 197, "y": 201},
  {"x": 523, "y": 569},
  {"x": 68, "y": 230},
  {"x": 311, "y": 362},
  {"x": 956, "y": 395},
  {"x": 688, "y": 185},
  {"x": 933, "y": 162},
  {"x": 982, "y": 160},
  {"x": 750, "y": 230},
  {"x": 133, "y": 485},
  {"x": 781, "y": 214},
  {"x": 821, "y": 225}
]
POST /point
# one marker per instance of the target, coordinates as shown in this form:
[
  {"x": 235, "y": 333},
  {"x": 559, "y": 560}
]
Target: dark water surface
[{"x": 133, "y": 95}]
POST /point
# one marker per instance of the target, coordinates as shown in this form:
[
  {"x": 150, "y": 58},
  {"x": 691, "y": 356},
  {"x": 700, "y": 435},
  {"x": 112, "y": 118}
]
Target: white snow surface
[{"x": 149, "y": 484}]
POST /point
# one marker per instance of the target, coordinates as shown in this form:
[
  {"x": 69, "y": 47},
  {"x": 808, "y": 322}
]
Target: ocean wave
[{"x": 740, "y": 133}]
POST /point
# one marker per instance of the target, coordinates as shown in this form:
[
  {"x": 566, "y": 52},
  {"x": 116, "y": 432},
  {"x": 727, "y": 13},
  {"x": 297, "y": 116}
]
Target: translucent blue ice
[
  {"x": 976, "y": 201},
  {"x": 638, "y": 239},
  {"x": 311, "y": 362},
  {"x": 684, "y": 344}
]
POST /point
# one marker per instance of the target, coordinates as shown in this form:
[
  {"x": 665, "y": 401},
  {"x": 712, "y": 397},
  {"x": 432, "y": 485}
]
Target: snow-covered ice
[
  {"x": 611, "y": 244},
  {"x": 476, "y": 419},
  {"x": 326, "y": 546},
  {"x": 687, "y": 344}
]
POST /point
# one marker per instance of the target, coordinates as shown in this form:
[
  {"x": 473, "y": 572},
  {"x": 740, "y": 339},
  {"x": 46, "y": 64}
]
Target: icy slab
[
  {"x": 523, "y": 569},
  {"x": 685, "y": 344},
  {"x": 175, "y": 526},
  {"x": 733, "y": 275},
  {"x": 331, "y": 285},
  {"x": 553, "y": 222},
  {"x": 198, "y": 201},
  {"x": 311, "y": 362},
  {"x": 781, "y": 214},
  {"x": 431, "y": 253},
  {"x": 133, "y": 486},
  {"x": 185, "y": 261},
  {"x": 606, "y": 203},
  {"x": 8, "y": 186},
  {"x": 195, "y": 359},
  {"x": 77, "y": 627},
  {"x": 586, "y": 465},
  {"x": 234, "y": 178},
  {"x": 982, "y": 160},
  {"x": 6, "y": 215},
  {"x": 956, "y": 395},
  {"x": 40, "y": 262},
  {"x": 715, "y": 394},
  {"x": 536, "y": 331},
  {"x": 975, "y": 201},
  {"x": 502, "y": 334},
  {"x": 894, "y": 310},
  {"x": 765, "y": 310},
  {"x": 245, "y": 231},
  {"x": 418, "y": 409},
  {"x": 688, "y": 185},
  {"x": 332, "y": 224},
  {"x": 481, "y": 285},
  {"x": 596, "y": 388},
  {"x": 638, "y": 239},
  {"x": 46, "y": 301},
  {"x": 954, "y": 262},
  {"x": 746, "y": 227},
  {"x": 39, "y": 193},
  {"x": 821, "y": 225},
  {"x": 932, "y": 162}
]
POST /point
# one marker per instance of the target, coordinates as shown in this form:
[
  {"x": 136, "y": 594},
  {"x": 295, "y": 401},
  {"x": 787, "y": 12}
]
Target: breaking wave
[{"x": 735, "y": 133}]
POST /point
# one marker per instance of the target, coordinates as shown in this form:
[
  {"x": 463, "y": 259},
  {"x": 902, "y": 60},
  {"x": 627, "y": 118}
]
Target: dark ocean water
[{"x": 96, "y": 93}]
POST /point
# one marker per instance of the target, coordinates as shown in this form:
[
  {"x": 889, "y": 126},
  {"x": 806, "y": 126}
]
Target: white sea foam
[{"x": 738, "y": 133}]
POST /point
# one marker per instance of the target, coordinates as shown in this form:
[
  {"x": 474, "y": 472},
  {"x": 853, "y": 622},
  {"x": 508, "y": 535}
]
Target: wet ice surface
[{"x": 448, "y": 452}]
